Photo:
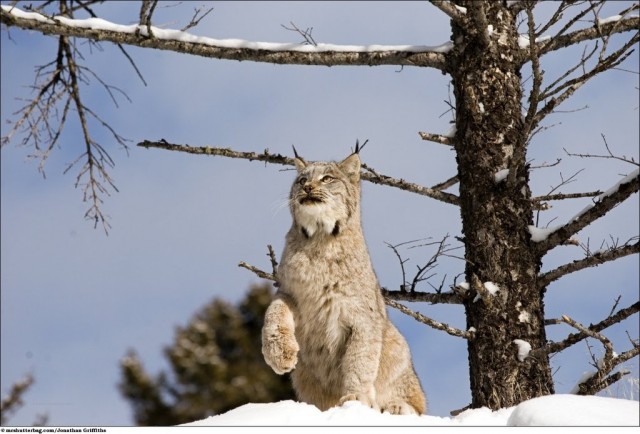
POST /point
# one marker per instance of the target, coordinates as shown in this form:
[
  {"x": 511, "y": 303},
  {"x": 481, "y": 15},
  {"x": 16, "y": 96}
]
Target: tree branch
[
  {"x": 437, "y": 138},
  {"x": 590, "y": 261},
  {"x": 595, "y": 32},
  {"x": 267, "y": 157},
  {"x": 430, "y": 322},
  {"x": 603, "y": 204},
  {"x": 180, "y": 42},
  {"x": 427, "y": 297},
  {"x": 448, "y": 8},
  {"x": 574, "y": 338},
  {"x": 600, "y": 379}
]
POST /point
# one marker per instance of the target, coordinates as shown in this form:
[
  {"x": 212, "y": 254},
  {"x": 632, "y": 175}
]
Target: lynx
[{"x": 328, "y": 323}]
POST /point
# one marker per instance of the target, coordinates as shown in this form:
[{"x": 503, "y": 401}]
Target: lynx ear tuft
[
  {"x": 298, "y": 160},
  {"x": 351, "y": 166}
]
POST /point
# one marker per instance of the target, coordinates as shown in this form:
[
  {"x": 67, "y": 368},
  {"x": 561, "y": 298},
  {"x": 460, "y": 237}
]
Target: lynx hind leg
[{"x": 279, "y": 345}]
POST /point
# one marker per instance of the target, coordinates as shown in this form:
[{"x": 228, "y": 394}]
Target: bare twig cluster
[
  {"x": 604, "y": 376},
  {"x": 306, "y": 34}
]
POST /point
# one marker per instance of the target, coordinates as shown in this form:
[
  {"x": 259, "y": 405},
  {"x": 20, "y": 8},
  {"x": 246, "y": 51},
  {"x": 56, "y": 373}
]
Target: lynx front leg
[
  {"x": 360, "y": 364},
  {"x": 279, "y": 345}
]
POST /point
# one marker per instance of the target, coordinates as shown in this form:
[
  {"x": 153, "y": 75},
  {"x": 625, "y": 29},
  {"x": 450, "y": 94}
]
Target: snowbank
[{"x": 554, "y": 410}]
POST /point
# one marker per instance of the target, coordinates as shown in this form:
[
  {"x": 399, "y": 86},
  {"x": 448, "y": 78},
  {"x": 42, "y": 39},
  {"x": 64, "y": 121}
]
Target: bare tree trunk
[{"x": 496, "y": 211}]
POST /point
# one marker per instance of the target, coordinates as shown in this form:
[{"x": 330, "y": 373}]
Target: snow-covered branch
[
  {"x": 229, "y": 49},
  {"x": 590, "y": 261},
  {"x": 548, "y": 239},
  {"x": 596, "y": 31},
  {"x": 448, "y": 8},
  {"x": 437, "y": 138}
]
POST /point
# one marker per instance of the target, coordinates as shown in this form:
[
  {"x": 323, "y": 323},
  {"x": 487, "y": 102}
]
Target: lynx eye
[
  {"x": 327, "y": 179},
  {"x": 302, "y": 181}
]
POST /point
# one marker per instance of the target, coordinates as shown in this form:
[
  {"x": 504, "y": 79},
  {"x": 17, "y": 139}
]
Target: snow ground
[{"x": 553, "y": 410}]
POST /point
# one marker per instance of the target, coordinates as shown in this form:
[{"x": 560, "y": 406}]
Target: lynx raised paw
[{"x": 280, "y": 351}]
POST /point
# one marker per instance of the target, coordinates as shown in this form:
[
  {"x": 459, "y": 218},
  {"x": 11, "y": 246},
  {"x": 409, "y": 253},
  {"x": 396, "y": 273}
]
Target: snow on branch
[
  {"x": 550, "y": 238},
  {"x": 370, "y": 174},
  {"x": 148, "y": 36},
  {"x": 596, "y": 31},
  {"x": 437, "y": 138},
  {"x": 449, "y": 8},
  {"x": 591, "y": 260}
]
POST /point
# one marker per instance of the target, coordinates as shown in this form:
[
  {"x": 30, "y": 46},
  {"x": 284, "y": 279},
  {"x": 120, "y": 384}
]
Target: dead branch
[
  {"x": 258, "y": 272},
  {"x": 446, "y": 184},
  {"x": 609, "y": 155},
  {"x": 590, "y": 261},
  {"x": 369, "y": 175},
  {"x": 570, "y": 86},
  {"x": 596, "y": 31},
  {"x": 572, "y": 339},
  {"x": 428, "y": 321},
  {"x": 293, "y": 56},
  {"x": 437, "y": 138},
  {"x": 601, "y": 206},
  {"x": 448, "y": 8},
  {"x": 562, "y": 196},
  {"x": 601, "y": 379},
  {"x": 426, "y": 297}
]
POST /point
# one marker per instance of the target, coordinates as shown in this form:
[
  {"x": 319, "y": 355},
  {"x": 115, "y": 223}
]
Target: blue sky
[{"x": 74, "y": 300}]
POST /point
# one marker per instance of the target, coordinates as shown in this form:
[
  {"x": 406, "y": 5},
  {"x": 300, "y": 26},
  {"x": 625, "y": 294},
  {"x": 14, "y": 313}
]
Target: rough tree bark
[{"x": 495, "y": 214}]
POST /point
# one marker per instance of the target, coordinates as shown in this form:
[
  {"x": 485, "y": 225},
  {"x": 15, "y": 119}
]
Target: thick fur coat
[{"x": 328, "y": 322}]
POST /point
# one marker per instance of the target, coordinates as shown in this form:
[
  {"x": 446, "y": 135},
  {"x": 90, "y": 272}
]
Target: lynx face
[{"x": 324, "y": 196}]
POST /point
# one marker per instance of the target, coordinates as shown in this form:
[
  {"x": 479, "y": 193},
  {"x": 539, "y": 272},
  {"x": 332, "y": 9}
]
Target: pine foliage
[{"x": 216, "y": 365}]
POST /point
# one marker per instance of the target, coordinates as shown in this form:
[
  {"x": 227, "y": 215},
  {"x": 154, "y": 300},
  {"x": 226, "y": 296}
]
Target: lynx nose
[{"x": 307, "y": 188}]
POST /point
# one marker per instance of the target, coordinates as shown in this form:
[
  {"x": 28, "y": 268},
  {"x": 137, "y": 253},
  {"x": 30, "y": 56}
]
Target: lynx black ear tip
[
  {"x": 360, "y": 148},
  {"x": 295, "y": 153}
]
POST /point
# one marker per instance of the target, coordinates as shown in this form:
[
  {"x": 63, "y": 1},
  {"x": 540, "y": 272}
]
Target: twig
[
  {"x": 306, "y": 34},
  {"x": 257, "y": 271},
  {"x": 195, "y": 20},
  {"x": 437, "y": 138},
  {"x": 446, "y": 184},
  {"x": 609, "y": 156}
]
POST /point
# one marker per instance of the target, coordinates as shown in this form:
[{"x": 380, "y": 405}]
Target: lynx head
[{"x": 325, "y": 197}]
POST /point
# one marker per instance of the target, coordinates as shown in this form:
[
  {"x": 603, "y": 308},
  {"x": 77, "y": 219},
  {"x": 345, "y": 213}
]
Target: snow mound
[
  {"x": 566, "y": 410},
  {"x": 553, "y": 410}
]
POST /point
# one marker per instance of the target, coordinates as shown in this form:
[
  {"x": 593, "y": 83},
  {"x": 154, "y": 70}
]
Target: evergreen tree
[{"x": 216, "y": 366}]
